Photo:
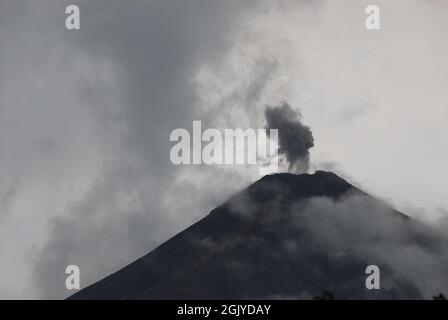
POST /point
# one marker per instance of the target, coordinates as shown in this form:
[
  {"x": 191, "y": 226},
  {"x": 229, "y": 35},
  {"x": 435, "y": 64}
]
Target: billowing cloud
[
  {"x": 89, "y": 139},
  {"x": 370, "y": 230}
]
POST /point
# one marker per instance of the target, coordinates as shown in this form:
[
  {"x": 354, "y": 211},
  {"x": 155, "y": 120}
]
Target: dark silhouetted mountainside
[{"x": 288, "y": 236}]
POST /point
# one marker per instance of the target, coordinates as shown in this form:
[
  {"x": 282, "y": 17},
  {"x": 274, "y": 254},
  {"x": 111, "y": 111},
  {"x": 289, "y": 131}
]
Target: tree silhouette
[
  {"x": 439, "y": 297},
  {"x": 326, "y": 295}
]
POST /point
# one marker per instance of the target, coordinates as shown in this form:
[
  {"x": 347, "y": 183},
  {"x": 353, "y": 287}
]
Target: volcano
[{"x": 289, "y": 237}]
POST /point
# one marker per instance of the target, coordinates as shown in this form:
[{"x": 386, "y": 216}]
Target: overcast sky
[{"x": 85, "y": 116}]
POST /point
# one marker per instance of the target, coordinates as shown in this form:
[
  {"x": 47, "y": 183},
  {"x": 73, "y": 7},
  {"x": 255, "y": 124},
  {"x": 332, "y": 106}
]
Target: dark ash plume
[{"x": 295, "y": 139}]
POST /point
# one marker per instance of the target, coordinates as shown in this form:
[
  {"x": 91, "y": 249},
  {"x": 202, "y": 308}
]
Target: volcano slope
[{"x": 289, "y": 237}]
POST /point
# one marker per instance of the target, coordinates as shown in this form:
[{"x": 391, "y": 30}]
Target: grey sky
[{"x": 85, "y": 116}]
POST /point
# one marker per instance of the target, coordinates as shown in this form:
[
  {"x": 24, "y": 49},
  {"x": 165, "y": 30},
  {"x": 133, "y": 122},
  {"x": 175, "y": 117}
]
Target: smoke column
[{"x": 295, "y": 139}]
